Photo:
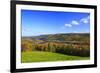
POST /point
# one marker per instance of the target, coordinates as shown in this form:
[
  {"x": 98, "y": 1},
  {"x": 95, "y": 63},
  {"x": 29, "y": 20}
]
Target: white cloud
[
  {"x": 68, "y": 25},
  {"x": 75, "y": 22},
  {"x": 85, "y": 20}
]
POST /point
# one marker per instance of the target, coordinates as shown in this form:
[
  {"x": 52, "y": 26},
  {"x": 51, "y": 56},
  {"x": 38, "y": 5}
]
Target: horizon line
[{"x": 57, "y": 33}]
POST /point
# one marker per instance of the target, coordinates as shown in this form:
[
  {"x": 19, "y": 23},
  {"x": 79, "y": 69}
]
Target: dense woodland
[{"x": 77, "y": 44}]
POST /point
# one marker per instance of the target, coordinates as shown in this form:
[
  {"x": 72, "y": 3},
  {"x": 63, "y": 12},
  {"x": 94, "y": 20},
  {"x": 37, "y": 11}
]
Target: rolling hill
[{"x": 61, "y": 37}]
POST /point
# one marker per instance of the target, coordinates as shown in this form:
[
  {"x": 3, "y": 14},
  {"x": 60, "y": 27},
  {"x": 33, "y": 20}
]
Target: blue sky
[{"x": 35, "y": 22}]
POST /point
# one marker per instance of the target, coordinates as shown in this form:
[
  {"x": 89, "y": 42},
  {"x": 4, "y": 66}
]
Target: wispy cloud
[
  {"x": 85, "y": 20},
  {"x": 68, "y": 25},
  {"x": 74, "y": 22}
]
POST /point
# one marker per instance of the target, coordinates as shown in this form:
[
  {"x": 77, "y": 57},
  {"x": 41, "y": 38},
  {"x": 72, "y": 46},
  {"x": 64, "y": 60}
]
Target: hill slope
[{"x": 62, "y": 37}]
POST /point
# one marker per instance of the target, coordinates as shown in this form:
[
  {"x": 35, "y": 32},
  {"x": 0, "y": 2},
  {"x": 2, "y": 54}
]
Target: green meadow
[{"x": 38, "y": 56}]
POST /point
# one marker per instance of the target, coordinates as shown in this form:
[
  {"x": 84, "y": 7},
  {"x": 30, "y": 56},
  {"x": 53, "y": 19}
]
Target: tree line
[{"x": 68, "y": 49}]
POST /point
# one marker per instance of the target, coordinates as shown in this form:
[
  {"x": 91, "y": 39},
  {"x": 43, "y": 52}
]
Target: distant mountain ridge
[{"x": 61, "y": 37}]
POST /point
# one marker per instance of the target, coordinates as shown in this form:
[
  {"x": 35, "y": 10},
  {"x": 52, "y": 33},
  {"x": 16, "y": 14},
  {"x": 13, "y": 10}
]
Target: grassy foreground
[{"x": 39, "y": 56}]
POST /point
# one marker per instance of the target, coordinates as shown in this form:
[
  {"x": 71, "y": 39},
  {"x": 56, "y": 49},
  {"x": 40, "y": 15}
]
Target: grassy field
[{"x": 39, "y": 56}]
